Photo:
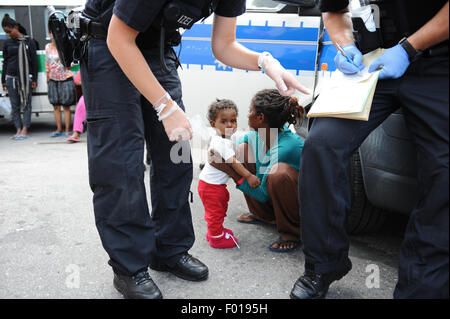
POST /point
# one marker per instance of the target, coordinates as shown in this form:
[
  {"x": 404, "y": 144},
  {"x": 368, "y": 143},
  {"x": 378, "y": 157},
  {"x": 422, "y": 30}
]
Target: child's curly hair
[
  {"x": 218, "y": 105},
  {"x": 278, "y": 109}
]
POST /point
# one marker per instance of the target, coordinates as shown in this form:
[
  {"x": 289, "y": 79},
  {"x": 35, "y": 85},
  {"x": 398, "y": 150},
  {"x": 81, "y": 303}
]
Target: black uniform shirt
[
  {"x": 141, "y": 14},
  {"x": 417, "y": 13}
]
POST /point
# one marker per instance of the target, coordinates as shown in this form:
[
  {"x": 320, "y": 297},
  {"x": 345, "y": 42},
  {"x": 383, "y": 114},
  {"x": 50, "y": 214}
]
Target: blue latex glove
[
  {"x": 352, "y": 63},
  {"x": 393, "y": 62}
]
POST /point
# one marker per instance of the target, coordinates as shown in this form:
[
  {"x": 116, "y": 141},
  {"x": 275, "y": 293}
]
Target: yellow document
[{"x": 348, "y": 96}]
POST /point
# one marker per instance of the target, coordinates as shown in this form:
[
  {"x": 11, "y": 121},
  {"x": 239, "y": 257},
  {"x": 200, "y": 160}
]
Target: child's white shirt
[{"x": 226, "y": 148}]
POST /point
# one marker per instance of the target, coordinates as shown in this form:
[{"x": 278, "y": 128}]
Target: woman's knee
[{"x": 281, "y": 174}]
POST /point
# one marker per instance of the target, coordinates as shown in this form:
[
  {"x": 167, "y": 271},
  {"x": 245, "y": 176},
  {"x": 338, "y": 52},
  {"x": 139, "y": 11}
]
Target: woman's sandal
[
  {"x": 247, "y": 218},
  {"x": 73, "y": 139},
  {"x": 20, "y": 137},
  {"x": 280, "y": 242},
  {"x": 56, "y": 134}
]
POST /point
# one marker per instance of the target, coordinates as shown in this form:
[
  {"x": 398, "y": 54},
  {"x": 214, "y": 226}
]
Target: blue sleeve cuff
[{"x": 256, "y": 193}]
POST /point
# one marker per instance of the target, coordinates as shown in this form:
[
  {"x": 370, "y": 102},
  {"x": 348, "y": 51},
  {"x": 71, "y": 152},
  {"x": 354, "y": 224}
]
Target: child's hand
[{"x": 253, "y": 181}]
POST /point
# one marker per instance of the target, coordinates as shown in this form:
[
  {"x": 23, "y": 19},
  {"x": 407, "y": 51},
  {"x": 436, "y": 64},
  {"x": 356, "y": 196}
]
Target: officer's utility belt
[
  {"x": 72, "y": 32},
  {"x": 94, "y": 29}
]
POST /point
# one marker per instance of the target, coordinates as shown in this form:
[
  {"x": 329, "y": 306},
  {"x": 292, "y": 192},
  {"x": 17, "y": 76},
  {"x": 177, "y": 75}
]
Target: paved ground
[{"x": 50, "y": 247}]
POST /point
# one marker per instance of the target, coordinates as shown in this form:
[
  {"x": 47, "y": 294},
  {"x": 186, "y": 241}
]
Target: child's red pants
[{"x": 215, "y": 200}]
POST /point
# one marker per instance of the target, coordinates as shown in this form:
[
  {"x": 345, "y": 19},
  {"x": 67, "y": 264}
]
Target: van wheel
[{"x": 363, "y": 216}]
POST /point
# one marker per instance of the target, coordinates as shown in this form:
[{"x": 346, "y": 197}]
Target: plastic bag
[
  {"x": 200, "y": 129},
  {"x": 5, "y": 107}
]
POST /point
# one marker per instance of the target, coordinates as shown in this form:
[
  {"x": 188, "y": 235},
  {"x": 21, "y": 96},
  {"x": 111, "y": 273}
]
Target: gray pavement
[{"x": 50, "y": 248}]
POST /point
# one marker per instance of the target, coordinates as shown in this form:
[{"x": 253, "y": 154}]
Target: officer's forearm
[
  {"x": 433, "y": 32},
  {"x": 227, "y": 50},
  {"x": 122, "y": 44},
  {"x": 339, "y": 27}
]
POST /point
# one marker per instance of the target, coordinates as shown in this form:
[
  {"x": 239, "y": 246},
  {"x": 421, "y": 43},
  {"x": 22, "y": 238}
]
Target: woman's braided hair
[{"x": 278, "y": 109}]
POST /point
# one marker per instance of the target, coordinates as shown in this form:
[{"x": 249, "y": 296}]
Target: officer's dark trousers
[
  {"x": 324, "y": 186},
  {"x": 116, "y": 138}
]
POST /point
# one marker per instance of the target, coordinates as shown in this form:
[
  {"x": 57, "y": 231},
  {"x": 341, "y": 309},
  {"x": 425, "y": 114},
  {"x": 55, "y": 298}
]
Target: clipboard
[{"x": 346, "y": 96}]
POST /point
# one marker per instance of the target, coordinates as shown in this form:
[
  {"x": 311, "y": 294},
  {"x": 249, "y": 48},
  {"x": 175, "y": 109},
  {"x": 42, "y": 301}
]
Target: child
[{"x": 212, "y": 188}]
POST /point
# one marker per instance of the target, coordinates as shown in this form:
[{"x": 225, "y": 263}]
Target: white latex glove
[
  {"x": 286, "y": 83},
  {"x": 177, "y": 126},
  {"x": 175, "y": 122}
]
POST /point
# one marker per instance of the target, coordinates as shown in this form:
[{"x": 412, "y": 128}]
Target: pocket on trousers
[{"x": 107, "y": 167}]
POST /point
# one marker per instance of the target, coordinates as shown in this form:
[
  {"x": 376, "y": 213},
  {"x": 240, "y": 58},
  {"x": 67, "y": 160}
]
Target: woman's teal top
[{"x": 286, "y": 149}]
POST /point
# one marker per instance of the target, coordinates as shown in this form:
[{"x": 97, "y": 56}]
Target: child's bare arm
[{"x": 252, "y": 180}]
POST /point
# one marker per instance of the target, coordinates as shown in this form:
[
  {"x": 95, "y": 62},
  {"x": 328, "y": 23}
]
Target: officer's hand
[
  {"x": 177, "y": 126},
  {"x": 286, "y": 82},
  {"x": 393, "y": 62},
  {"x": 342, "y": 63}
]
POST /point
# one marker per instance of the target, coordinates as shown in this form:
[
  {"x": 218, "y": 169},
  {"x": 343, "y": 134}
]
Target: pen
[{"x": 340, "y": 49}]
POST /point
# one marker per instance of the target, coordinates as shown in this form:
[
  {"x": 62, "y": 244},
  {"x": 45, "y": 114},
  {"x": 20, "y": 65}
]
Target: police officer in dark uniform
[
  {"x": 132, "y": 94},
  {"x": 414, "y": 75}
]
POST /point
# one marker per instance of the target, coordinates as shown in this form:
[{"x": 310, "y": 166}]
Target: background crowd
[{"x": 20, "y": 78}]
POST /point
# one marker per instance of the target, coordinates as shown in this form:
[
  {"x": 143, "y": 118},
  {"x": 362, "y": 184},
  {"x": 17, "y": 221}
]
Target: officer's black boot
[
  {"x": 315, "y": 286},
  {"x": 188, "y": 268},
  {"x": 139, "y": 286}
]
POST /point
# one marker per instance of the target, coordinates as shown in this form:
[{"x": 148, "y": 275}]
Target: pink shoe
[
  {"x": 226, "y": 240},
  {"x": 73, "y": 139}
]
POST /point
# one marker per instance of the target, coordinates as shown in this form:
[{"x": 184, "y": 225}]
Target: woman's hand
[
  {"x": 34, "y": 84},
  {"x": 216, "y": 161}
]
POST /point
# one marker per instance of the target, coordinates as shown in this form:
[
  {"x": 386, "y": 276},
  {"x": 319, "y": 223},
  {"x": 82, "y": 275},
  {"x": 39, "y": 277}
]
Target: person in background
[
  {"x": 80, "y": 115},
  {"x": 19, "y": 76},
  {"x": 61, "y": 89}
]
